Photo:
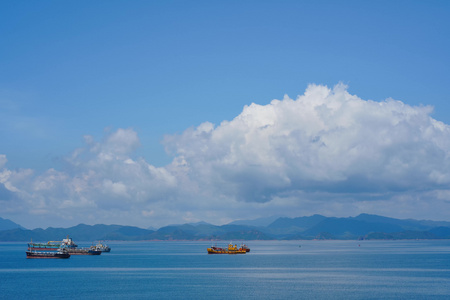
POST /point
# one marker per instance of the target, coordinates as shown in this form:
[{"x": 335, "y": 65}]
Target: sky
[{"x": 149, "y": 113}]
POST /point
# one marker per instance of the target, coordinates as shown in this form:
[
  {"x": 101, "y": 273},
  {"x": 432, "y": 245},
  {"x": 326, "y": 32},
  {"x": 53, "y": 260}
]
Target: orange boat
[
  {"x": 245, "y": 247},
  {"x": 232, "y": 249}
]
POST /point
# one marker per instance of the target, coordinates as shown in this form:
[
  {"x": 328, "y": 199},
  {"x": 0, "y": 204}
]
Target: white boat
[{"x": 101, "y": 247}]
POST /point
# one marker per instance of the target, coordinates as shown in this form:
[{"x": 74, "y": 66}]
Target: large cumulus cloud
[
  {"x": 326, "y": 151},
  {"x": 325, "y": 140}
]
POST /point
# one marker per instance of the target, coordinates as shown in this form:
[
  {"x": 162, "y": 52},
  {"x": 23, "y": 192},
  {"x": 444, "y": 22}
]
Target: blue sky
[{"x": 143, "y": 77}]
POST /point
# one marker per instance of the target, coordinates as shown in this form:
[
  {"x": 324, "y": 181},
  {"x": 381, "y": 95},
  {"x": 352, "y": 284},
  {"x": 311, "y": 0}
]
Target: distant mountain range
[
  {"x": 364, "y": 226},
  {"x": 6, "y": 224}
]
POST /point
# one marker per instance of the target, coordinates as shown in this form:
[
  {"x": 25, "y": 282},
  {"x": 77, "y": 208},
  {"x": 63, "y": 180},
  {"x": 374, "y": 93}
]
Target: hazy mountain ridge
[
  {"x": 6, "y": 224},
  {"x": 363, "y": 226},
  {"x": 256, "y": 222}
]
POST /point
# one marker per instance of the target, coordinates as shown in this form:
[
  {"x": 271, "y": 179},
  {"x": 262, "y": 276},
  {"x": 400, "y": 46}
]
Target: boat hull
[
  {"x": 230, "y": 250},
  {"x": 211, "y": 251},
  {"x": 46, "y": 255},
  {"x": 83, "y": 252}
]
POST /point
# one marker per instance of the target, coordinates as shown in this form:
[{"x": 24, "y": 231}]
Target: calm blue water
[{"x": 272, "y": 270}]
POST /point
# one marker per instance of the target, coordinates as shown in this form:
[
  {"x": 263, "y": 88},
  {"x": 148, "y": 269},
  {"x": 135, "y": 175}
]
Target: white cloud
[
  {"x": 121, "y": 142},
  {"x": 326, "y": 151},
  {"x": 323, "y": 140}
]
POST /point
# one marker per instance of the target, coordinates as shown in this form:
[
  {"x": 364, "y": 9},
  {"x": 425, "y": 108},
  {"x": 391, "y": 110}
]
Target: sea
[{"x": 418, "y": 269}]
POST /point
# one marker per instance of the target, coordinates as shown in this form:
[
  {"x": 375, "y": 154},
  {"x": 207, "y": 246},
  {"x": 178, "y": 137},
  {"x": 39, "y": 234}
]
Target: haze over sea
[{"x": 272, "y": 270}]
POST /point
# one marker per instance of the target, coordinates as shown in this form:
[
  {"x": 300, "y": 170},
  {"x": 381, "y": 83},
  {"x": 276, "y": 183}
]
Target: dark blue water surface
[{"x": 272, "y": 270}]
